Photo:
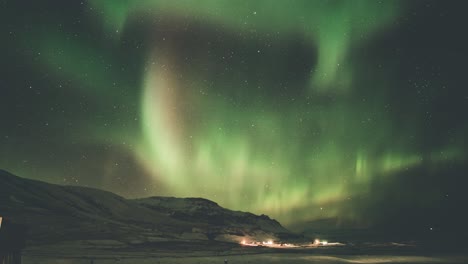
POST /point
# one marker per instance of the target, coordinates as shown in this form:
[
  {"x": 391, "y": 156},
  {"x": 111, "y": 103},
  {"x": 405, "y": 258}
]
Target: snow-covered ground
[{"x": 252, "y": 259}]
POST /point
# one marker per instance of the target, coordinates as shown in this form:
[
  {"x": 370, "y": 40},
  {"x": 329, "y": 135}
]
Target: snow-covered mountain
[{"x": 54, "y": 213}]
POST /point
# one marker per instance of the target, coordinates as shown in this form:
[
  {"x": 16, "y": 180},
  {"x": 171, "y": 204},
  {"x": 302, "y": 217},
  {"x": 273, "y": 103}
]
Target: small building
[{"x": 12, "y": 241}]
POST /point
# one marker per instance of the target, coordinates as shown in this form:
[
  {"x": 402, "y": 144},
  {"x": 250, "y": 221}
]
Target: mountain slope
[{"x": 54, "y": 213}]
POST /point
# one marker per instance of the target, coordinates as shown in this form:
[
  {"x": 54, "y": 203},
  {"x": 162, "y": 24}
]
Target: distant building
[{"x": 12, "y": 242}]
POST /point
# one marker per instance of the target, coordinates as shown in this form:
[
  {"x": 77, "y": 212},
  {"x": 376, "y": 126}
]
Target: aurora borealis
[{"x": 301, "y": 110}]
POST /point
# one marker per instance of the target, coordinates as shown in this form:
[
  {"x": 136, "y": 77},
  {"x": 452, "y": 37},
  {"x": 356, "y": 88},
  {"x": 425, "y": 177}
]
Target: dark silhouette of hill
[{"x": 54, "y": 213}]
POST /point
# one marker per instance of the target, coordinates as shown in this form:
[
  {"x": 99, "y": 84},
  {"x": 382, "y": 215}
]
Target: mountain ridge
[{"x": 53, "y": 213}]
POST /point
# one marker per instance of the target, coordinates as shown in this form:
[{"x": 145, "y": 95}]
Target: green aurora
[{"x": 284, "y": 108}]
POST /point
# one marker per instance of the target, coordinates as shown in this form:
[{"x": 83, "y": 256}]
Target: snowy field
[{"x": 250, "y": 259}]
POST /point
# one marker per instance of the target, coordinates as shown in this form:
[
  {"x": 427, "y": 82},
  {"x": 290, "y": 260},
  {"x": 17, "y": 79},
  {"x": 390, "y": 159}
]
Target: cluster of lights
[
  {"x": 317, "y": 242},
  {"x": 270, "y": 243}
]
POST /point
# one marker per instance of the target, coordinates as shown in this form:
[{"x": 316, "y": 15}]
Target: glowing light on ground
[{"x": 278, "y": 244}]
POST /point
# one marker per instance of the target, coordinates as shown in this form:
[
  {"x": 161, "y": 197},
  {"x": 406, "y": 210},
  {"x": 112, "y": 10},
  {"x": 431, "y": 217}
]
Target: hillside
[{"x": 54, "y": 213}]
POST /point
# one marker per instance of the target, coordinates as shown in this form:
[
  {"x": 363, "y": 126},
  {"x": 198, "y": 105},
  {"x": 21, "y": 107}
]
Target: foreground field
[
  {"x": 106, "y": 253},
  {"x": 254, "y": 259}
]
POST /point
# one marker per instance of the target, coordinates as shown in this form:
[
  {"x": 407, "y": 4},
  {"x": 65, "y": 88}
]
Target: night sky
[{"x": 354, "y": 111}]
